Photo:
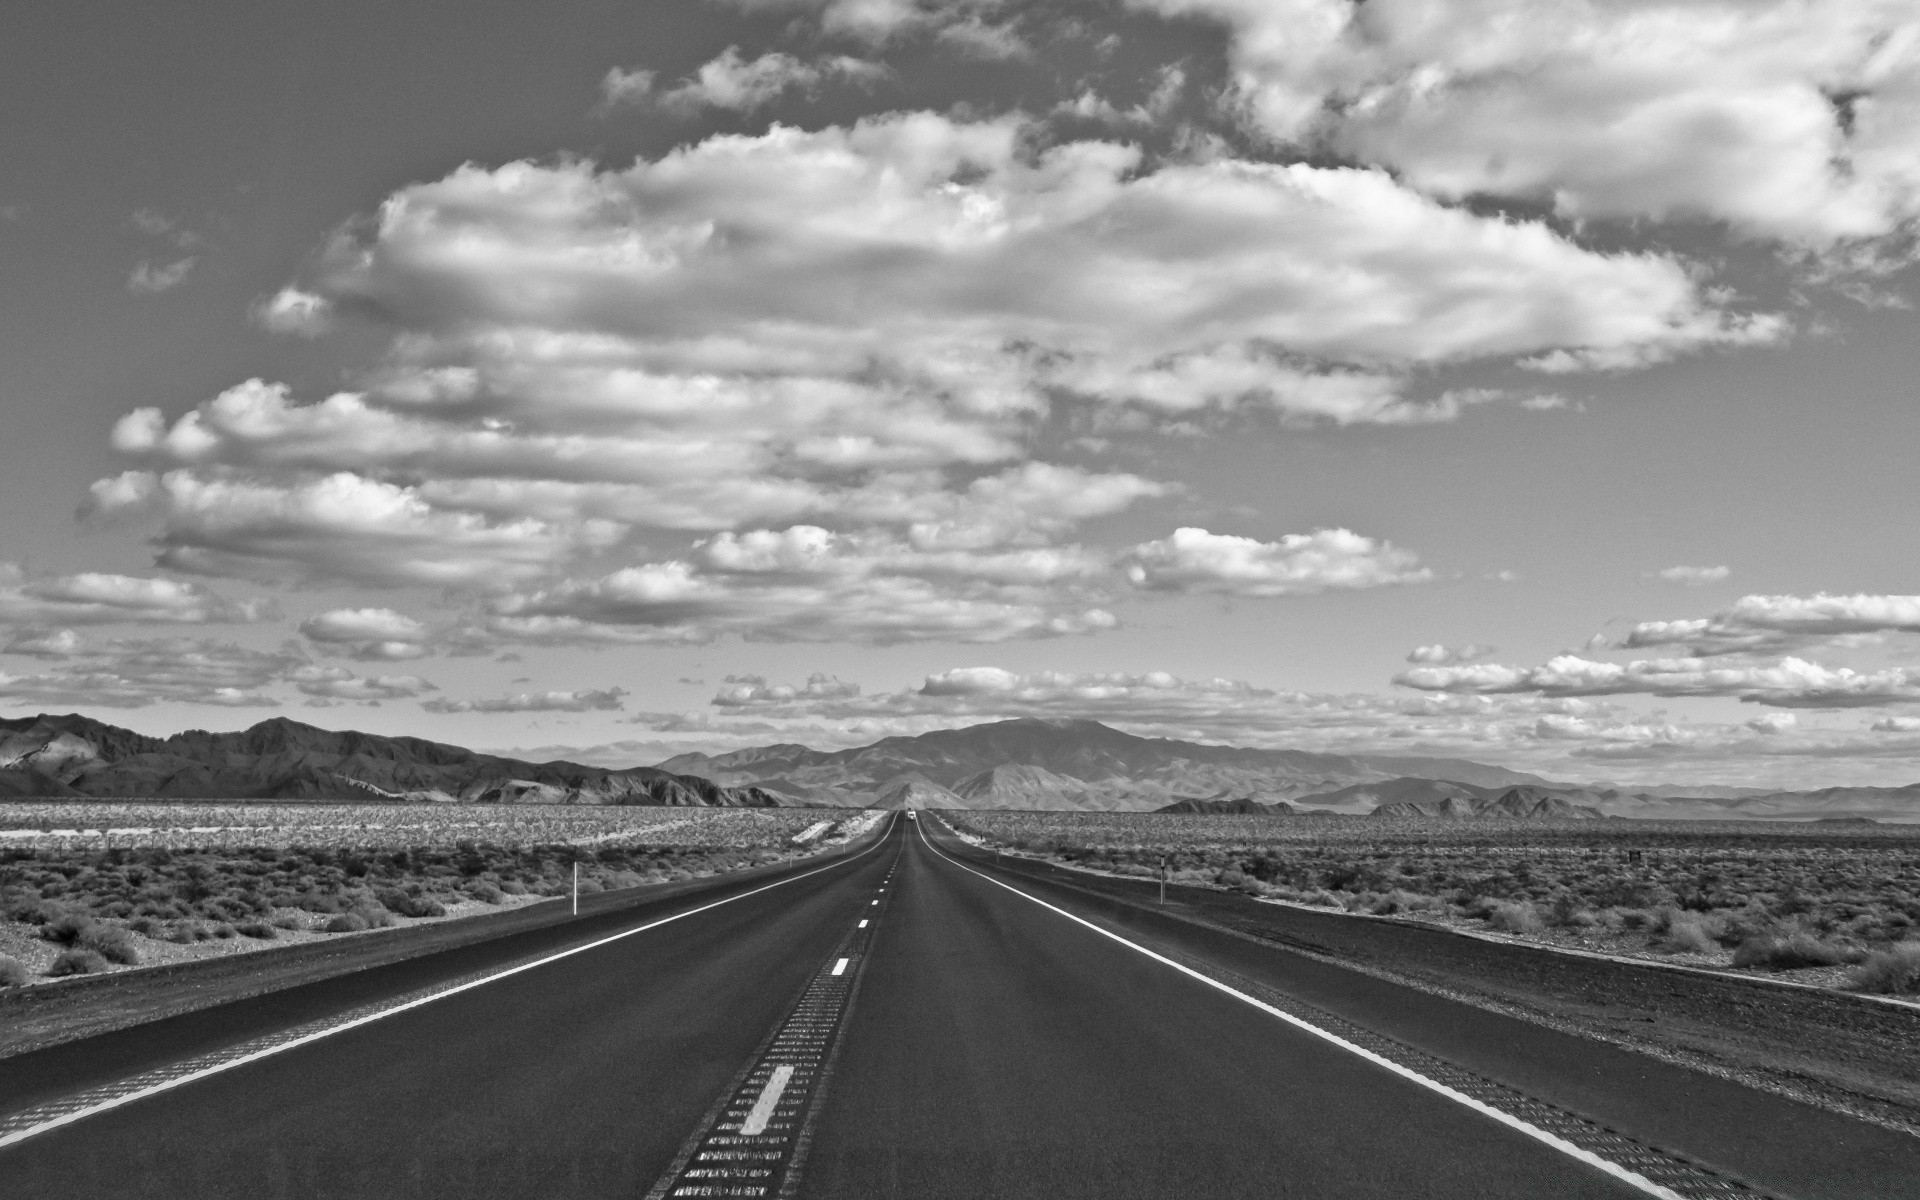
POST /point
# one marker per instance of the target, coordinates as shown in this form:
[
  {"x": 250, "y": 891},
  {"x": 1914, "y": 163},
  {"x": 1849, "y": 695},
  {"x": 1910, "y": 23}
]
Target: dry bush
[
  {"x": 1894, "y": 971},
  {"x": 1520, "y": 917},
  {"x": 1688, "y": 935},
  {"x": 77, "y": 962},
  {"x": 13, "y": 973},
  {"x": 1788, "y": 951}
]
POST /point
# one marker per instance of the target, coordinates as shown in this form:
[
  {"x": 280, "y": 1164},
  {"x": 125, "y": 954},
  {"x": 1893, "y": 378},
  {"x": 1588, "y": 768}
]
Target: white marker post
[
  {"x": 1163, "y": 879},
  {"x": 576, "y": 889}
]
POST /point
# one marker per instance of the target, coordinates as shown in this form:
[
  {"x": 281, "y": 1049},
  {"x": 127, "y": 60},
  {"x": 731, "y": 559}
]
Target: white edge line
[
  {"x": 21, "y": 1135},
  {"x": 1631, "y": 1178}
]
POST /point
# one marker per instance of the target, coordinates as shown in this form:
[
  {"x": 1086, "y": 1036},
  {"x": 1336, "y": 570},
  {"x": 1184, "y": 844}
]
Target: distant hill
[
  {"x": 1519, "y": 803},
  {"x": 1241, "y": 806},
  {"x": 72, "y": 756},
  {"x": 914, "y": 790},
  {"x": 1065, "y": 765}
]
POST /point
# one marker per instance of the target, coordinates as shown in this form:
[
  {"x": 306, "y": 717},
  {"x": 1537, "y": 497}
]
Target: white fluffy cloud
[
  {"x": 752, "y": 691},
  {"x": 39, "y": 643},
  {"x": 598, "y": 700},
  {"x": 135, "y": 672},
  {"x": 368, "y": 634},
  {"x": 1773, "y": 624},
  {"x": 1196, "y": 560},
  {"x": 731, "y": 81},
  {"x": 339, "y": 684},
  {"x": 100, "y": 598},
  {"x": 1442, "y": 655},
  {"x": 1782, "y": 118},
  {"x": 1790, "y": 682},
  {"x": 1692, "y": 576}
]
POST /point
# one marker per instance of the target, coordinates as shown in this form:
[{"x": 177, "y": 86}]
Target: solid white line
[
  {"x": 21, "y": 1135},
  {"x": 762, "y": 1111},
  {"x": 1631, "y": 1178},
  {"x": 840, "y": 968}
]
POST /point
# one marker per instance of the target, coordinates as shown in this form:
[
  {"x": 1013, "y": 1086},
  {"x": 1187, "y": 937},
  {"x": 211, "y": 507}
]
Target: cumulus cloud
[
  {"x": 601, "y": 700},
  {"x": 1441, "y": 655},
  {"x": 151, "y": 278},
  {"x": 368, "y": 634},
  {"x": 1196, "y": 560},
  {"x": 40, "y": 643},
  {"x": 1790, "y": 682},
  {"x": 133, "y": 673},
  {"x": 1772, "y": 624},
  {"x": 731, "y": 81},
  {"x": 340, "y": 684},
  {"x": 1691, "y": 576},
  {"x": 1780, "y": 118},
  {"x": 102, "y": 598},
  {"x": 750, "y": 691}
]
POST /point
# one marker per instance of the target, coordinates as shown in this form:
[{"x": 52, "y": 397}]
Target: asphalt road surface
[{"x": 910, "y": 1022}]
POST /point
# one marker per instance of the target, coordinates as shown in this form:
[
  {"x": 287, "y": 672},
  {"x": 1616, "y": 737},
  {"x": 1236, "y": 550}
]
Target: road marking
[
  {"x": 762, "y": 1111},
  {"x": 34, "y": 1121},
  {"x": 1632, "y": 1178},
  {"x": 862, "y": 925},
  {"x": 755, "y": 1140}
]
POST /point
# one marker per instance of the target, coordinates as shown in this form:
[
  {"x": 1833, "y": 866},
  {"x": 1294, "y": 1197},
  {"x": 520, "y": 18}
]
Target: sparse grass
[{"x": 1785, "y": 897}]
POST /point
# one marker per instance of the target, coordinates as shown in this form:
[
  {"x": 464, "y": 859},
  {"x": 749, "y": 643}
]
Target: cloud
[
  {"x": 291, "y": 310},
  {"x": 1691, "y": 576},
  {"x": 34, "y": 643},
  {"x": 1790, "y": 682},
  {"x": 1773, "y": 624},
  {"x": 102, "y": 598},
  {"x": 1439, "y": 655},
  {"x": 133, "y": 673},
  {"x": 339, "y": 684},
  {"x": 749, "y": 691},
  {"x": 368, "y": 634},
  {"x": 339, "y": 528},
  {"x": 151, "y": 278},
  {"x": 603, "y": 700},
  {"x": 736, "y": 83},
  {"x": 1781, "y": 119},
  {"x": 1298, "y": 564}
]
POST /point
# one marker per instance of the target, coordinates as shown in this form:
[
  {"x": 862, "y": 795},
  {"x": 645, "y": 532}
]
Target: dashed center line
[
  {"x": 762, "y": 1111},
  {"x": 754, "y": 1141}
]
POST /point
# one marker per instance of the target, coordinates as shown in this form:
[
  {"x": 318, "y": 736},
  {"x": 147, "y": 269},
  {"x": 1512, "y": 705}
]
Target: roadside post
[
  {"x": 1163, "y": 878},
  {"x": 576, "y": 889}
]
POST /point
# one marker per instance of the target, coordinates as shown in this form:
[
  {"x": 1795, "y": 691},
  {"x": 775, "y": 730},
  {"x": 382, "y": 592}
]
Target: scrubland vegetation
[
  {"x": 165, "y": 876},
  {"x": 1764, "y": 897}
]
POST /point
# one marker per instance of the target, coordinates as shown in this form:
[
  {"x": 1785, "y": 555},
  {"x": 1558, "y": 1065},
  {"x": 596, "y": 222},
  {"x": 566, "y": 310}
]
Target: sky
[{"x": 1531, "y": 382}]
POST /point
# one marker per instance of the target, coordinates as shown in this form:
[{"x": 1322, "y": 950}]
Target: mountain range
[
  {"x": 1020, "y": 764},
  {"x": 72, "y": 756}
]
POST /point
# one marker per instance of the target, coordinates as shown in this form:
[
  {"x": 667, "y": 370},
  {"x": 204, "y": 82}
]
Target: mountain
[
  {"x": 286, "y": 760},
  {"x": 1242, "y": 806},
  {"x": 1086, "y": 765},
  {"x": 1023, "y": 785},
  {"x": 1519, "y": 803},
  {"x": 914, "y": 790}
]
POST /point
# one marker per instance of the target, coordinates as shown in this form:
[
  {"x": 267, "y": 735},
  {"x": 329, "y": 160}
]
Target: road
[{"x": 913, "y": 1022}]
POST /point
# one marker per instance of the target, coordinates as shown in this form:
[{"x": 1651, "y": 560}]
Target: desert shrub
[
  {"x": 346, "y": 923},
  {"x": 1894, "y": 971},
  {"x": 66, "y": 928},
  {"x": 1686, "y": 935},
  {"x": 395, "y": 900},
  {"x": 481, "y": 890},
  {"x": 286, "y": 921},
  {"x": 375, "y": 916},
  {"x": 590, "y": 885},
  {"x": 147, "y": 927},
  {"x": 111, "y": 943},
  {"x": 513, "y": 887},
  {"x": 1517, "y": 917},
  {"x": 12, "y": 972},
  {"x": 257, "y": 929},
  {"x": 223, "y": 931},
  {"x": 1786, "y": 951},
  {"x": 77, "y": 962}
]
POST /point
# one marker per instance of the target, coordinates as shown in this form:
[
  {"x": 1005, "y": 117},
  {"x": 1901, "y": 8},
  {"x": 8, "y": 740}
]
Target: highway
[{"x": 908, "y": 1022}]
